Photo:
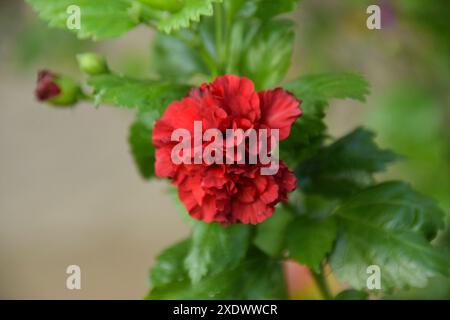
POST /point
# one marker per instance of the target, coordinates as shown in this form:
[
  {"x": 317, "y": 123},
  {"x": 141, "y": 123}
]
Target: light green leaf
[
  {"x": 146, "y": 95},
  {"x": 191, "y": 12},
  {"x": 99, "y": 19},
  {"x": 216, "y": 248},
  {"x": 316, "y": 90},
  {"x": 270, "y": 235},
  {"x": 310, "y": 240},
  {"x": 140, "y": 140},
  {"x": 387, "y": 225},
  {"x": 344, "y": 166}
]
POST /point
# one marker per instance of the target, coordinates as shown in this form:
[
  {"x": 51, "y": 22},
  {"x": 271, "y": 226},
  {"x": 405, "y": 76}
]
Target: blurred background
[{"x": 69, "y": 190}]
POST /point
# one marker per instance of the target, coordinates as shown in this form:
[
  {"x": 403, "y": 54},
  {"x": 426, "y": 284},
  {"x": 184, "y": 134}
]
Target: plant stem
[
  {"x": 322, "y": 284},
  {"x": 219, "y": 33}
]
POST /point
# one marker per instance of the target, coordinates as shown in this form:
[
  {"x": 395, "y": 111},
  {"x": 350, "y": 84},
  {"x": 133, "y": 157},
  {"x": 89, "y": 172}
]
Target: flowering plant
[{"x": 222, "y": 66}]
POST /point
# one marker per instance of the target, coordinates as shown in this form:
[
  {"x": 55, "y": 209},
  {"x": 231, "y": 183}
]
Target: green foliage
[
  {"x": 140, "y": 141},
  {"x": 215, "y": 248},
  {"x": 100, "y": 19},
  {"x": 315, "y": 91},
  {"x": 255, "y": 277},
  {"x": 270, "y": 234},
  {"x": 250, "y": 50},
  {"x": 191, "y": 12},
  {"x": 268, "y": 8},
  {"x": 339, "y": 215},
  {"x": 344, "y": 166},
  {"x": 388, "y": 225},
  {"x": 260, "y": 62},
  {"x": 150, "y": 98},
  {"x": 310, "y": 240},
  {"x": 175, "y": 60},
  {"x": 261, "y": 9},
  {"x": 168, "y": 266},
  {"x": 133, "y": 93},
  {"x": 351, "y": 294}
]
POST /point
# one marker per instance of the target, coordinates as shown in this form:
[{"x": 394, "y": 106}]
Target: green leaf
[
  {"x": 173, "y": 59},
  {"x": 306, "y": 138},
  {"x": 387, "y": 225},
  {"x": 191, "y": 12},
  {"x": 270, "y": 235},
  {"x": 140, "y": 140},
  {"x": 261, "y": 9},
  {"x": 394, "y": 205},
  {"x": 351, "y": 294},
  {"x": 345, "y": 166},
  {"x": 146, "y": 95},
  {"x": 256, "y": 277},
  {"x": 310, "y": 240},
  {"x": 216, "y": 248},
  {"x": 316, "y": 90},
  {"x": 268, "y": 9},
  {"x": 262, "y": 63},
  {"x": 99, "y": 19},
  {"x": 168, "y": 266}
]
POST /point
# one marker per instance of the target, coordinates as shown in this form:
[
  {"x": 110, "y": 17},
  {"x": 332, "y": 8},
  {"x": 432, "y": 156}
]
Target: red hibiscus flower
[{"x": 227, "y": 192}]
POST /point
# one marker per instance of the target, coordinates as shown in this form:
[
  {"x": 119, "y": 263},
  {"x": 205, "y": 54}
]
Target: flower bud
[
  {"x": 56, "y": 90},
  {"x": 166, "y": 5},
  {"x": 92, "y": 63}
]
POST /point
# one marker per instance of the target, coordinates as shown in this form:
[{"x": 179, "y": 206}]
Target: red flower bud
[
  {"x": 46, "y": 88},
  {"x": 56, "y": 89}
]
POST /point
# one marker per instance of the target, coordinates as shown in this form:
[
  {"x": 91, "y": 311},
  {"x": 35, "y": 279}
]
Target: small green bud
[{"x": 92, "y": 63}]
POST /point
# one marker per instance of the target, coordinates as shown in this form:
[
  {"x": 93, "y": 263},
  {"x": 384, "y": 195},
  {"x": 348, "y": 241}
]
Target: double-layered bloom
[{"x": 227, "y": 192}]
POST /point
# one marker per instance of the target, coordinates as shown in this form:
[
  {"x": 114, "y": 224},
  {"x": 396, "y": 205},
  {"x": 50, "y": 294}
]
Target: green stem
[
  {"x": 219, "y": 32},
  {"x": 322, "y": 284}
]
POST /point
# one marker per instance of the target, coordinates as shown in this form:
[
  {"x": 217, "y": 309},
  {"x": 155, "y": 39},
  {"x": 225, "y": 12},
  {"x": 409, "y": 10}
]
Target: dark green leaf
[
  {"x": 310, "y": 240},
  {"x": 306, "y": 138},
  {"x": 394, "y": 205},
  {"x": 387, "y": 225},
  {"x": 270, "y": 8},
  {"x": 140, "y": 140},
  {"x": 351, "y": 294},
  {"x": 215, "y": 248},
  {"x": 345, "y": 166},
  {"x": 168, "y": 267},
  {"x": 270, "y": 235},
  {"x": 256, "y": 277}
]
